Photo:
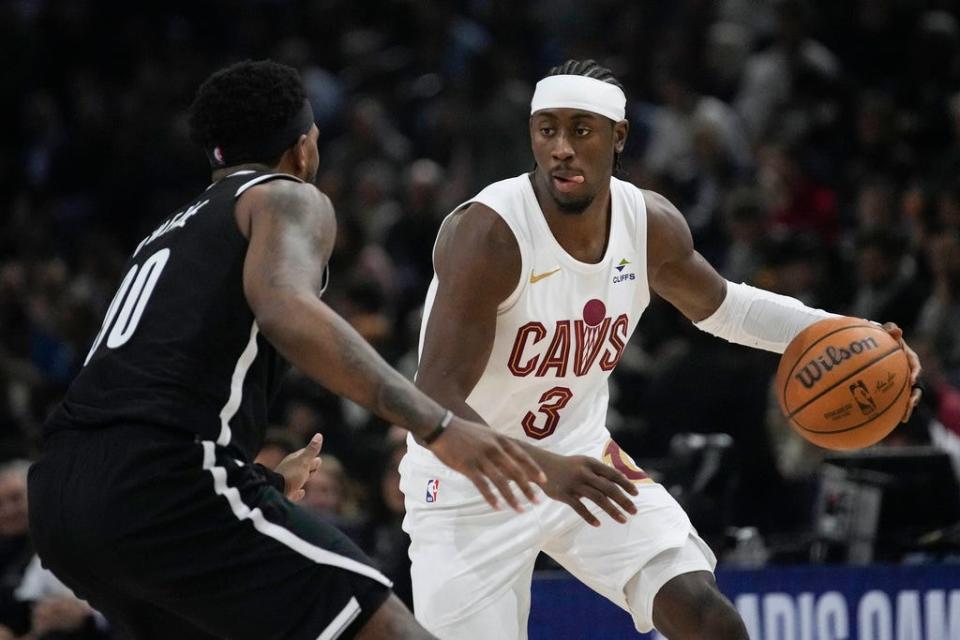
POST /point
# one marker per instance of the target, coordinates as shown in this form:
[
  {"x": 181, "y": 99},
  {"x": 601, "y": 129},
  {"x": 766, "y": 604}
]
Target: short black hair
[
  {"x": 587, "y": 68},
  {"x": 240, "y": 102}
]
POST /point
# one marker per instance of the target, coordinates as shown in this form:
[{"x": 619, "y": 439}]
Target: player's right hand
[
  {"x": 571, "y": 478},
  {"x": 486, "y": 457}
]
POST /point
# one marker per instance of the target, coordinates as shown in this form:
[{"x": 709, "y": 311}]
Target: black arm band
[{"x": 441, "y": 427}]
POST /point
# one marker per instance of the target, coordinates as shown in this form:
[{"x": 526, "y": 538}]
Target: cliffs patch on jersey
[{"x": 574, "y": 346}]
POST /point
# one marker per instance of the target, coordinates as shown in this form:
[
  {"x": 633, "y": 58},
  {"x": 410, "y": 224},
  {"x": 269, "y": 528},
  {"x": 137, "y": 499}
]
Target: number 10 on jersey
[{"x": 129, "y": 302}]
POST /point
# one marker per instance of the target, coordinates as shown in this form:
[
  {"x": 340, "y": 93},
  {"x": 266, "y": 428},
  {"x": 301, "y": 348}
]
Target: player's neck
[{"x": 583, "y": 235}]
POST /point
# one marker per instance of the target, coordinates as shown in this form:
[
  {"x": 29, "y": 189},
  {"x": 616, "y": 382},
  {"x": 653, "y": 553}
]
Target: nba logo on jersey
[{"x": 433, "y": 488}]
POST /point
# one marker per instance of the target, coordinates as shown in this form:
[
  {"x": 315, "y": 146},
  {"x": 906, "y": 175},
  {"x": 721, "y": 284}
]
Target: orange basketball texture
[{"x": 843, "y": 383}]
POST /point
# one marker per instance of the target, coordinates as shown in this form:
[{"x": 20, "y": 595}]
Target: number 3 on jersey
[
  {"x": 551, "y": 402},
  {"x": 130, "y": 301}
]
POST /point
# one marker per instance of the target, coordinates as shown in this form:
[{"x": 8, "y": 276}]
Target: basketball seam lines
[
  {"x": 841, "y": 381},
  {"x": 810, "y": 348},
  {"x": 857, "y": 426}
]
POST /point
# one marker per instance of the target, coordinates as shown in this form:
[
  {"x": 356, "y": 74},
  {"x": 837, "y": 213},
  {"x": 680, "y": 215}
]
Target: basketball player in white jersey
[{"x": 540, "y": 281}]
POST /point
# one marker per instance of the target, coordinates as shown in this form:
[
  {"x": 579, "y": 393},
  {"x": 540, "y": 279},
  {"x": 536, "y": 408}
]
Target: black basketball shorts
[{"x": 173, "y": 538}]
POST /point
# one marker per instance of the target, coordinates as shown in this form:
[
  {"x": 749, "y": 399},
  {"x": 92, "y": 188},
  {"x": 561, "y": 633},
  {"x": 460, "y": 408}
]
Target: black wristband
[{"x": 441, "y": 427}]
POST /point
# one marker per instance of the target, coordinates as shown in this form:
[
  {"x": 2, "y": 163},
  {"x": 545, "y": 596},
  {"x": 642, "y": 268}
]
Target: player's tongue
[{"x": 565, "y": 183}]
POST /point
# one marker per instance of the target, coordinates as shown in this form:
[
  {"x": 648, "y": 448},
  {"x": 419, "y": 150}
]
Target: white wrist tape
[{"x": 761, "y": 319}]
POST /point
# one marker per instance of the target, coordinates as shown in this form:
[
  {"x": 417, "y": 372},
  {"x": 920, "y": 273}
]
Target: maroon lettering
[
  {"x": 558, "y": 352},
  {"x": 618, "y": 342},
  {"x": 531, "y": 329},
  {"x": 589, "y": 342}
]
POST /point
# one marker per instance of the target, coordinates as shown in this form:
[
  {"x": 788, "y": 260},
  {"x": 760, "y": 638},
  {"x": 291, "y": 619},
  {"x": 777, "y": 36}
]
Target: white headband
[{"x": 579, "y": 92}]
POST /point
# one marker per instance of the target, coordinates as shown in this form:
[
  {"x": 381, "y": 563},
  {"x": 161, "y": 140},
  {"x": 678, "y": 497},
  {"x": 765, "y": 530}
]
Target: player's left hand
[
  {"x": 298, "y": 466},
  {"x": 914, "y": 361}
]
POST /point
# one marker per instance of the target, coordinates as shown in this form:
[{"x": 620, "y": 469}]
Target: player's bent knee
[{"x": 691, "y": 607}]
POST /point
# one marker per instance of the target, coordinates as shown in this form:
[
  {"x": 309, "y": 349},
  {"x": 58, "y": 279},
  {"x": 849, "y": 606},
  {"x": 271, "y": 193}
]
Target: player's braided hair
[
  {"x": 589, "y": 69},
  {"x": 242, "y": 101}
]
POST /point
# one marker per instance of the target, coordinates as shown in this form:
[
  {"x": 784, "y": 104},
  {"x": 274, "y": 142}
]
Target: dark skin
[
  {"x": 478, "y": 265},
  {"x": 291, "y": 228}
]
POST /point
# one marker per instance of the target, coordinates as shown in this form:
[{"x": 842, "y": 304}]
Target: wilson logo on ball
[{"x": 831, "y": 357}]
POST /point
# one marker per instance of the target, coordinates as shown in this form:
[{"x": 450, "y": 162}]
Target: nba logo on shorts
[{"x": 433, "y": 488}]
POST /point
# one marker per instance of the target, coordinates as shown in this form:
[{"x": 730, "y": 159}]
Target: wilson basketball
[{"x": 843, "y": 383}]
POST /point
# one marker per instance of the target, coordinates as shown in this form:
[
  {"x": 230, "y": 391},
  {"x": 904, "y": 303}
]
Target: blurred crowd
[{"x": 813, "y": 146}]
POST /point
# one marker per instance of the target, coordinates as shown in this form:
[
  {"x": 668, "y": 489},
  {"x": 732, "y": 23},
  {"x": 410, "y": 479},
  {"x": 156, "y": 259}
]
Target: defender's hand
[
  {"x": 570, "y": 478},
  {"x": 298, "y": 466},
  {"x": 485, "y": 456},
  {"x": 897, "y": 334}
]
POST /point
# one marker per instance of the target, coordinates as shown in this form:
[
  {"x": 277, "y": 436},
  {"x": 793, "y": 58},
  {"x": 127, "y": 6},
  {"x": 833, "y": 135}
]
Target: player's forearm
[
  {"x": 325, "y": 347},
  {"x": 448, "y": 394},
  {"x": 758, "y": 318}
]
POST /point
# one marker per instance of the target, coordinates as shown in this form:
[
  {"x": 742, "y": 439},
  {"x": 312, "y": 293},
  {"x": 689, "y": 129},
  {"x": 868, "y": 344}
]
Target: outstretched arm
[
  {"x": 478, "y": 265},
  {"x": 735, "y": 312},
  {"x": 291, "y": 228}
]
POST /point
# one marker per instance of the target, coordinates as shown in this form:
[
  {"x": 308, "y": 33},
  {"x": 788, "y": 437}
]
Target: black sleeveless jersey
[{"x": 179, "y": 347}]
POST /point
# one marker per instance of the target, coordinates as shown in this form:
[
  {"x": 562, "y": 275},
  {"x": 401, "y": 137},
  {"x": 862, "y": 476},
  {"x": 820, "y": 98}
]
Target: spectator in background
[
  {"x": 939, "y": 323},
  {"x": 745, "y": 221},
  {"x": 389, "y": 542},
  {"x": 15, "y": 547},
  {"x": 331, "y": 494},
  {"x": 32, "y": 600},
  {"x": 886, "y": 282},
  {"x": 278, "y": 443}
]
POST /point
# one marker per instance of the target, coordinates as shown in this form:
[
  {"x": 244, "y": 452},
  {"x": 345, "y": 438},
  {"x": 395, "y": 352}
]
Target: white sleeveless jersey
[{"x": 563, "y": 329}]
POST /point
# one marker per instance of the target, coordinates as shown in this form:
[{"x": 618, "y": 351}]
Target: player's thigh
[
  {"x": 188, "y": 529},
  {"x": 608, "y": 557},
  {"x": 241, "y": 561},
  {"x": 469, "y": 563},
  {"x": 503, "y": 618}
]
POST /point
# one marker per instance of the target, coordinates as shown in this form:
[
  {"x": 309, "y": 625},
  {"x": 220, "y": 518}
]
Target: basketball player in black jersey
[{"x": 146, "y": 501}]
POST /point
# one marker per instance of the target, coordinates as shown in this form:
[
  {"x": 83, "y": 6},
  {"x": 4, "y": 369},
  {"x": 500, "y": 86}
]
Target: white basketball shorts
[{"x": 473, "y": 565}]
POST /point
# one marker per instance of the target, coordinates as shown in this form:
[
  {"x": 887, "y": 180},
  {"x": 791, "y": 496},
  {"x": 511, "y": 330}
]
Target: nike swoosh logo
[{"x": 537, "y": 277}]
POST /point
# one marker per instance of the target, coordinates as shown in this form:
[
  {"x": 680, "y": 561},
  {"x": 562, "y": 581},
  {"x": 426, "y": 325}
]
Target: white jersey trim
[
  {"x": 275, "y": 531},
  {"x": 263, "y": 178},
  {"x": 342, "y": 621},
  {"x": 236, "y": 387}
]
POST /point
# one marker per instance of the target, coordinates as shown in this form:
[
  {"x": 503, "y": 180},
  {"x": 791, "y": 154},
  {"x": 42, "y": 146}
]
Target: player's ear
[
  {"x": 303, "y": 151},
  {"x": 620, "y": 131}
]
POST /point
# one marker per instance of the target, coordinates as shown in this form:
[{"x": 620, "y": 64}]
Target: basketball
[{"x": 843, "y": 383}]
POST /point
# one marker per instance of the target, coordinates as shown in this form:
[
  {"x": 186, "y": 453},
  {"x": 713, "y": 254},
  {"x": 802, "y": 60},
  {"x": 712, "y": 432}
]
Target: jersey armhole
[
  {"x": 511, "y": 299},
  {"x": 514, "y": 296},
  {"x": 642, "y": 240}
]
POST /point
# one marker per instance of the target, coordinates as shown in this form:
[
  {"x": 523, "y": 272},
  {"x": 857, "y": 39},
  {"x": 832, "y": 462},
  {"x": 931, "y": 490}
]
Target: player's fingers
[
  {"x": 313, "y": 447},
  {"x": 582, "y": 511},
  {"x": 512, "y": 470},
  {"x": 314, "y": 464},
  {"x": 914, "y": 400},
  {"x": 615, "y": 476},
  {"x": 914, "y": 361},
  {"x": 480, "y": 482},
  {"x": 298, "y": 495},
  {"x": 499, "y": 480},
  {"x": 895, "y": 332},
  {"x": 615, "y": 493},
  {"x": 521, "y": 457},
  {"x": 604, "y": 503}
]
